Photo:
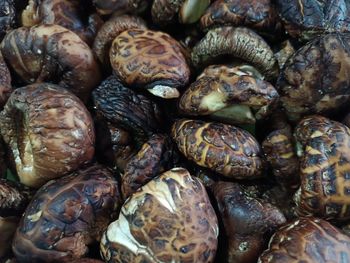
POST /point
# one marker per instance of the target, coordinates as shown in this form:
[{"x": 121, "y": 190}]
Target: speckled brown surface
[
  {"x": 110, "y": 30},
  {"x": 221, "y": 86},
  {"x": 315, "y": 79},
  {"x": 260, "y": 15},
  {"x": 156, "y": 156},
  {"x": 51, "y": 53},
  {"x": 5, "y": 82},
  {"x": 146, "y": 59},
  {"x": 307, "y": 240},
  {"x": 223, "y": 148},
  {"x": 306, "y": 19},
  {"x": 324, "y": 168},
  {"x": 170, "y": 219},
  {"x": 48, "y": 132},
  {"x": 67, "y": 215}
]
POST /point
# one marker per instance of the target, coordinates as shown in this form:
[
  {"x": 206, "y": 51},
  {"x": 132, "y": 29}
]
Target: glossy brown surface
[
  {"x": 127, "y": 109},
  {"x": 220, "y": 87},
  {"x": 67, "y": 215},
  {"x": 315, "y": 79},
  {"x": 48, "y": 132},
  {"x": 110, "y": 30},
  {"x": 248, "y": 222},
  {"x": 149, "y": 59},
  {"x": 260, "y": 15},
  {"x": 170, "y": 219},
  {"x": 7, "y": 16},
  {"x": 278, "y": 148},
  {"x": 70, "y": 14},
  {"x": 238, "y": 42},
  {"x": 225, "y": 149},
  {"x": 106, "y": 7},
  {"x": 307, "y": 240},
  {"x": 306, "y": 19},
  {"x": 155, "y": 157},
  {"x": 14, "y": 198},
  {"x": 5, "y": 82},
  {"x": 51, "y": 53},
  {"x": 324, "y": 168}
]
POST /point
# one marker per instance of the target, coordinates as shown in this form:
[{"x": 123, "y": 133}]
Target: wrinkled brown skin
[
  {"x": 239, "y": 42},
  {"x": 170, "y": 217},
  {"x": 8, "y": 226},
  {"x": 223, "y": 148},
  {"x": 66, "y": 216},
  {"x": 106, "y": 7},
  {"x": 68, "y": 14},
  {"x": 234, "y": 89},
  {"x": 125, "y": 108},
  {"x": 5, "y": 82},
  {"x": 248, "y": 222},
  {"x": 278, "y": 148},
  {"x": 110, "y": 30},
  {"x": 51, "y": 53},
  {"x": 145, "y": 58},
  {"x": 324, "y": 168},
  {"x": 114, "y": 145},
  {"x": 306, "y": 19},
  {"x": 14, "y": 198},
  {"x": 156, "y": 156},
  {"x": 7, "y": 16},
  {"x": 260, "y": 15},
  {"x": 164, "y": 11},
  {"x": 307, "y": 240},
  {"x": 316, "y": 78},
  {"x": 48, "y": 132}
]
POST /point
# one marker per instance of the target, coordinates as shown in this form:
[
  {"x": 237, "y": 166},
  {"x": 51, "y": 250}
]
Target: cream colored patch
[
  {"x": 213, "y": 102},
  {"x": 119, "y": 232},
  {"x": 165, "y": 92},
  {"x": 235, "y": 114},
  {"x": 35, "y": 217}
]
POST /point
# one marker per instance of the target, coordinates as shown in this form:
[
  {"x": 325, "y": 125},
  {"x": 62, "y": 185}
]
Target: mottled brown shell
[
  {"x": 149, "y": 59},
  {"x": 155, "y": 157},
  {"x": 220, "y": 87},
  {"x": 170, "y": 219},
  {"x": 260, "y": 15},
  {"x": 305, "y": 19},
  {"x": 316, "y": 78},
  {"x": 307, "y": 240},
  {"x": 248, "y": 222},
  {"x": 14, "y": 198},
  {"x": 125, "y": 108},
  {"x": 238, "y": 42},
  {"x": 66, "y": 216},
  {"x": 324, "y": 168},
  {"x": 51, "y": 53},
  {"x": 225, "y": 149},
  {"x": 69, "y": 14},
  {"x": 48, "y": 132},
  {"x": 106, "y": 7},
  {"x": 5, "y": 82},
  {"x": 278, "y": 148},
  {"x": 110, "y": 30}
]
